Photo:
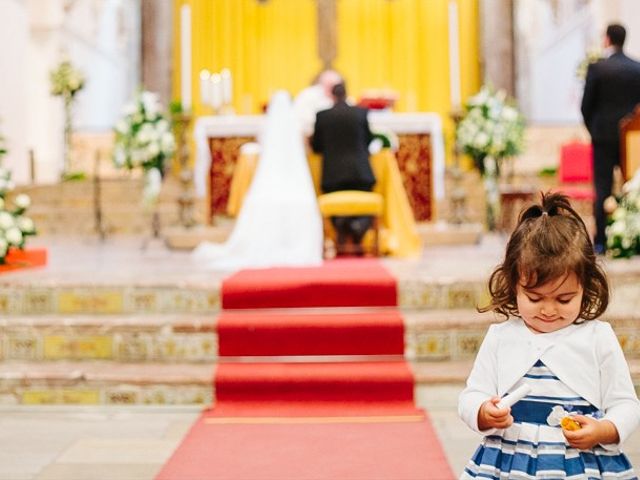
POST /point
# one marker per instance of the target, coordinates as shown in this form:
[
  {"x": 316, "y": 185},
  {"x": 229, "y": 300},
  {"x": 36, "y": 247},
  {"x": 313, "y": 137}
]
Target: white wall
[
  {"x": 103, "y": 39},
  {"x": 13, "y": 89}
]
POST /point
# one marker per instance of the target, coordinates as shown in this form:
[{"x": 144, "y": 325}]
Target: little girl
[{"x": 551, "y": 290}]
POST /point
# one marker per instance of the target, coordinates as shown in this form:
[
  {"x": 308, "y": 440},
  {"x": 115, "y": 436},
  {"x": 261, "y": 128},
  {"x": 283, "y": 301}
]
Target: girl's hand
[
  {"x": 592, "y": 432},
  {"x": 490, "y": 416}
]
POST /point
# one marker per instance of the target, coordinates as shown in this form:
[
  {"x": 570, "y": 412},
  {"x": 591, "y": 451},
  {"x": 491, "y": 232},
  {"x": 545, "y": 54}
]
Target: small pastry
[{"x": 570, "y": 424}]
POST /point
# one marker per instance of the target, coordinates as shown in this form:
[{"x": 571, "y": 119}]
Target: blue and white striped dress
[{"x": 533, "y": 449}]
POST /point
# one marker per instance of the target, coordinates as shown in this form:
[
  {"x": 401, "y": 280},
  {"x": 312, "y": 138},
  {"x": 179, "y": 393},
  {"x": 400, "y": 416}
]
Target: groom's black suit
[
  {"x": 342, "y": 136},
  {"x": 611, "y": 91}
]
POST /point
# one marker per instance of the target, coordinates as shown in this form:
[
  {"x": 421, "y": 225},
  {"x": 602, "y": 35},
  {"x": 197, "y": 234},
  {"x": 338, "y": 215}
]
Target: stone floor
[
  {"x": 117, "y": 443},
  {"x": 123, "y": 259}
]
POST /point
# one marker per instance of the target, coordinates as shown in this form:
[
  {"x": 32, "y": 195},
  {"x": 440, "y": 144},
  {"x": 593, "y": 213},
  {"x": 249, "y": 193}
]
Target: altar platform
[{"x": 112, "y": 324}]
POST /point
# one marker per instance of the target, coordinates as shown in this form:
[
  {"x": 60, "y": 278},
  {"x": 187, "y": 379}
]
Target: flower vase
[
  {"x": 151, "y": 194},
  {"x": 68, "y": 129},
  {"x": 491, "y": 192}
]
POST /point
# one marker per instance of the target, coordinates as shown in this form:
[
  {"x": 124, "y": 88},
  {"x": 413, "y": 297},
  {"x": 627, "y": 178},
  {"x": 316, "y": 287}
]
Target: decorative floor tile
[
  {"x": 90, "y": 301},
  {"x": 467, "y": 344},
  {"x": 11, "y": 301},
  {"x": 59, "y": 347},
  {"x": 38, "y": 301},
  {"x": 122, "y": 396},
  {"x": 142, "y": 301},
  {"x": 132, "y": 347},
  {"x": 23, "y": 347},
  {"x": 462, "y": 295},
  {"x": 58, "y": 396},
  {"x": 433, "y": 345}
]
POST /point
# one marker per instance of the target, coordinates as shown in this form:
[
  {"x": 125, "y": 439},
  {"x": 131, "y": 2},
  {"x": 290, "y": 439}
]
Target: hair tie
[{"x": 545, "y": 213}]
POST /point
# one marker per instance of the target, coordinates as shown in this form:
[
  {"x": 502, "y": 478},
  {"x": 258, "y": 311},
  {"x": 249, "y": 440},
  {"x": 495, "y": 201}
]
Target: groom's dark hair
[
  {"x": 339, "y": 92},
  {"x": 617, "y": 34}
]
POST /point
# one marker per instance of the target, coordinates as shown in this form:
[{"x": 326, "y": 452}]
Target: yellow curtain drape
[
  {"x": 266, "y": 46},
  {"x": 401, "y": 44},
  {"x": 404, "y": 45}
]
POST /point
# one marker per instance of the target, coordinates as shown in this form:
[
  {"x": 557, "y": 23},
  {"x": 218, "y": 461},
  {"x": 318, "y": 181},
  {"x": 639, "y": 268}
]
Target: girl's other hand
[
  {"x": 591, "y": 433},
  {"x": 490, "y": 416}
]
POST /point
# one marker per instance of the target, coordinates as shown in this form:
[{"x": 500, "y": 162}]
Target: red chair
[
  {"x": 575, "y": 174},
  {"x": 575, "y": 178}
]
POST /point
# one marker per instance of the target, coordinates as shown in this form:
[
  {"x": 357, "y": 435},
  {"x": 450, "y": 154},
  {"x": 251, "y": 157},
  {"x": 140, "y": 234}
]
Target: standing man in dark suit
[
  {"x": 611, "y": 91},
  {"x": 342, "y": 136}
]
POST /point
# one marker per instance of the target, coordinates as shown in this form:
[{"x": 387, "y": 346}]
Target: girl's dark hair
[{"x": 549, "y": 242}]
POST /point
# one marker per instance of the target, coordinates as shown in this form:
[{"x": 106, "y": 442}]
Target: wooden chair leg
[{"x": 376, "y": 234}]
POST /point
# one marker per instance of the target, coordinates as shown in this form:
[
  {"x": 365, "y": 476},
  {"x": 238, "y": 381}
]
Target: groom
[
  {"x": 611, "y": 91},
  {"x": 342, "y": 136}
]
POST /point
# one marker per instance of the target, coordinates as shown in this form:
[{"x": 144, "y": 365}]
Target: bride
[{"x": 279, "y": 223}]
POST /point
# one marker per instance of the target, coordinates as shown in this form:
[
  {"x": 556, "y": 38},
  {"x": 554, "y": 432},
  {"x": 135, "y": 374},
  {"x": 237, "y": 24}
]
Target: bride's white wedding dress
[{"x": 279, "y": 223}]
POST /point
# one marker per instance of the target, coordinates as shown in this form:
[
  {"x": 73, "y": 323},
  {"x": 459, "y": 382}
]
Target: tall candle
[
  {"x": 454, "y": 55},
  {"x": 205, "y": 91},
  {"x": 225, "y": 74},
  {"x": 185, "y": 57},
  {"x": 216, "y": 91}
]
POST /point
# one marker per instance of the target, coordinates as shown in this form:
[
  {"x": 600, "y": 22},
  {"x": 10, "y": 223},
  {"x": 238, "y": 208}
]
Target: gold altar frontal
[
  {"x": 419, "y": 156},
  {"x": 414, "y": 160}
]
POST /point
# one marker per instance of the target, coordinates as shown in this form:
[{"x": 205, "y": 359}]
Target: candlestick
[
  {"x": 205, "y": 94},
  {"x": 216, "y": 91},
  {"x": 454, "y": 55},
  {"x": 225, "y": 74},
  {"x": 185, "y": 57}
]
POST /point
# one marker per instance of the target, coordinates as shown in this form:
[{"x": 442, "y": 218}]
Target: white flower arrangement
[
  {"x": 591, "y": 56},
  {"x": 491, "y": 127},
  {"x": 623, "y": 231},
  {"x": 144, "y": 139},
  {"x": 15, "y": 226},
  {"x": 66, "y": 80}
]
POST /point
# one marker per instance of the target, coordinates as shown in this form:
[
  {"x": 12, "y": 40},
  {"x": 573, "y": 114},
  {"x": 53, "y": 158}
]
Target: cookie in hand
[{"x": 570, "y": 424}]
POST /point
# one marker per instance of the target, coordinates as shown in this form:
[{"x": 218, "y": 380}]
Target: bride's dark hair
[{"x": 549, "y": 242}]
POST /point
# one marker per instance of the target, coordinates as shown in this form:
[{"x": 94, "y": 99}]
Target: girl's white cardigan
[{"x": 587, "y": 357}]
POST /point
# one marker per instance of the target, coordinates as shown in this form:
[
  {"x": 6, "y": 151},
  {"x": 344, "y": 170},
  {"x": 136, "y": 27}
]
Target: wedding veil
[{"x": 279, "y": 223}]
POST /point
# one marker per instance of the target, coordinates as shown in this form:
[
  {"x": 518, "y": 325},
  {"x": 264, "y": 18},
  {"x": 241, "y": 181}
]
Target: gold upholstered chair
[
  {"x": 630, "y": 144},
  {"x": 352, "y": 203}
]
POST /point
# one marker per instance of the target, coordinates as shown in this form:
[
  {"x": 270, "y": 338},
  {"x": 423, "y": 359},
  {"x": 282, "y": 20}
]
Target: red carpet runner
[{"x": 316, "y": 394}]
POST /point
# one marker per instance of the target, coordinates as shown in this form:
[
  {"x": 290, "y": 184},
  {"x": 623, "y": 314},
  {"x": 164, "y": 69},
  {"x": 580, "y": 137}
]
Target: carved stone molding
[
  {"x": 156, "y": 47},
  {"x": 497, "y": 43}
]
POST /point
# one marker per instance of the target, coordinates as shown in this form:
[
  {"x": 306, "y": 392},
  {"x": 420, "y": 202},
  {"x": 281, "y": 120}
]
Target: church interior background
[{"x": 117, "y": 314}]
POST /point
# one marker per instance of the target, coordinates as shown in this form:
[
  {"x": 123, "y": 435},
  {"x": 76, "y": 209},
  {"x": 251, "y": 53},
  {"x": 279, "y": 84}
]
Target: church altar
[{"x": 420, "y": 155}]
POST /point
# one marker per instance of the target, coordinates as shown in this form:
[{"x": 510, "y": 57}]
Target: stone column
[
  {"x": 44, "y": 112},
  {"x": 497, "y": 44},
  {"x": 156, "y": 47},
  {"x": 14, "y": 93},
  {"x": 327, "y": 32}
]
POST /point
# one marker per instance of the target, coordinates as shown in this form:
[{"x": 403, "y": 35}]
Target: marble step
[
  {"x": 69, "y": 207},
  {"x": 105, "y": 383},
  {"x": 100, "y": 382},
  {"x": 81, "y": 192},
  {"x": 185, "y": 290},
  {"x": 115, "y": 220},
  {"x": 429, "y": 336}
]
